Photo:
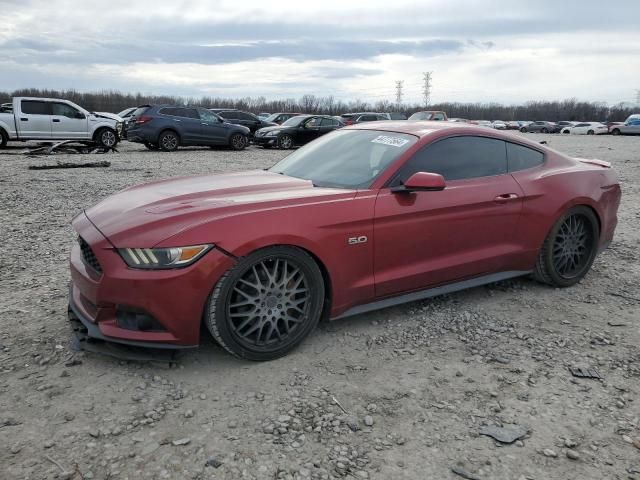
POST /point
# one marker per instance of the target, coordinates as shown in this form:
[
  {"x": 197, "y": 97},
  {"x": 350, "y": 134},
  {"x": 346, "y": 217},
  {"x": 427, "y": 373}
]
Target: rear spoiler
[{"x": 593, "y": 161}]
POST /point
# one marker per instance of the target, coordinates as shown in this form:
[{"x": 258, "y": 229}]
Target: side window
[
  {"x": 329, "y": 122},
  {"x": 458, "y": 158},
  {"x": 246, "y": 116},
  {"x": 187, "y": 113},
  {"x": 438, "y": 116},
  {"x": 521, "y": 158},
  {"x": 64, "y": 110},
  {"x": 168, "y": 111},
  {"x": 229, "y": 115},
  {"x": 207, "y": 116},
  {"x": 35, "y": 107},
  {"x": 313, "y": 122}
]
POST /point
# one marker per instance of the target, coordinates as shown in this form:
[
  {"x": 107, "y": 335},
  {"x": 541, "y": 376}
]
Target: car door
[
  {"x": 187, "y": 122},
  {"x": 328, "y": 125},
  {"x": 212, "y": 129},
  {"x": 34, "y": 119},
  {"x": 248, "y": 120},
  {"x": 309, "y": 130},
  {"x": 580, "y": 129},
  {"x": 424, "y": 239},
  {"x": 68, "y": 122}
]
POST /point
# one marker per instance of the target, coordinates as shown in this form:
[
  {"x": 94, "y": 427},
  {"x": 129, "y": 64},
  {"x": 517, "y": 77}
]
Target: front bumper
[
  {"x": 268, "y": 141},
  {"x": 175, "y": 299}
]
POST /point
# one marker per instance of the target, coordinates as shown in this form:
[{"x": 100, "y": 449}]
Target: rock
[
  {"x": 463, "y": 473},
  {"x": 627, "y": 439},
  {"x": 69, "y": 416},
  {"x": 94, "y": 432},
  {"x": 15, "y": 449},
  {"x": 547, "y": 452},
  {"x": 636, "y": 443},
  {"x": 203, "y": 396},
  {"x": 188, "y": 414},
  {"x": 73, "y": 362},
  {"x": 372, "y": 408},
  {"x": 569, "y": 443},
  {"x": 49, "y": 444},
  {"x": 507, "y": 434},
  {"x": 212, "y": 462},
  {"x": 181, "y": 442},
  {"x": 573, "y": 455},
  {"x": 368, "y": 421}
]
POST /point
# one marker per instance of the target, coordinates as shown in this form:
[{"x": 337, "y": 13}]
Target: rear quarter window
[{"x": 521, "y": 157}]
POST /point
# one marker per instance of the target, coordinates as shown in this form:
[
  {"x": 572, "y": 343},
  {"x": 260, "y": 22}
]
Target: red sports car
[{"x": 360, "y": 219}]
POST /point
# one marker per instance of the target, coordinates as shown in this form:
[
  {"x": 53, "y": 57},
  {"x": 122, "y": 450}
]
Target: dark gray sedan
[{"x": 541, "y": 127}]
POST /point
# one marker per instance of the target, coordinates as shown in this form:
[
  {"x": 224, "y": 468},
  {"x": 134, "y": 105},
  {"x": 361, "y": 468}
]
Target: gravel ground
[{"x": 399, "y": 393}]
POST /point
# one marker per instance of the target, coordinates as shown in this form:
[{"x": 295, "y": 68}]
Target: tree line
[{"x": 569, "y": 109}]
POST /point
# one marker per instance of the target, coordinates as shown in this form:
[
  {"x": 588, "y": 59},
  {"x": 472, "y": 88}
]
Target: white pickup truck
[{"x": 53, "y": 119}]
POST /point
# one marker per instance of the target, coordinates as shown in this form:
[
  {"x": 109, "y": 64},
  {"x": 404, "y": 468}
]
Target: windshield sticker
[{"x": 393, "y": 141}]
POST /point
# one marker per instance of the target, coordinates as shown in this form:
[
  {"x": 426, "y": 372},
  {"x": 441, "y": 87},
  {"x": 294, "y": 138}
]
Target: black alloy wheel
[
  {"x": 266, "y": 304},
  {"x": 570, "y": 248},
  {"x": 168, "y": 141},
  {"x": 238, "y": 141},
  {"x": 544, "y": 130}
]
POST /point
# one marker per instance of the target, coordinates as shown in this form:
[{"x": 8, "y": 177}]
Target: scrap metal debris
[
  {"x": 66, "y": 147},
  {"x": 70, "y": 165},
  {"x": 464, "y": 474},
  {"x": 507, "y": 434},
  {"x": 584, "y": 372}
]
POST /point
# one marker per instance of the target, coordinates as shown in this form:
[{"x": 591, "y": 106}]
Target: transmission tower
[
  {"x": 399, "y": 85},
  {"x": 426, "y": 88}
]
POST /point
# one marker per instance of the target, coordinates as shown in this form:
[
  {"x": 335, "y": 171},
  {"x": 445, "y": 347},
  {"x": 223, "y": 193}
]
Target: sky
[{"x": 477, "y": 50}]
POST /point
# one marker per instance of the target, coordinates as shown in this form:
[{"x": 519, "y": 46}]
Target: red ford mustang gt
[{"x": 362, "y": 218}]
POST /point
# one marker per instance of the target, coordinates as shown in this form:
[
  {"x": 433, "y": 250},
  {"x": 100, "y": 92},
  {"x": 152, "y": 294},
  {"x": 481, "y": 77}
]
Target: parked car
[
  {"x": 513, "y": 125},
  {"x": 297, "y": 130},
  {"x": 363, "y": 218},
  {"x": 263, "y": 115},
  {"x": 499, "y": 125},
  {"x": 280, "y": 117},
  {"x": 394, "y": 116},
  {"x": 6, "y": 107},
  {"x": 429, "y": 115},
  {"x": 56, "y": 119},
  {"x": 126, "y": 115},
  {"x": 541, "y": 127},
  {"x": 359, "y": 117},
  {"x": 458, "y": 120},
  {"x": 565, "y": 124},
  {"x": 483, "y": 123},
  {"x": 249, "y": 120},
  {"x": 167, "y": 127},
  {"x": 631, "y": 127},
  {"x": 587, "y": 128}
]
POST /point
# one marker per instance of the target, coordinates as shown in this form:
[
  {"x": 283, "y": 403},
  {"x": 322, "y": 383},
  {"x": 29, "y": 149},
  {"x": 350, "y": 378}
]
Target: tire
[
  {"x": 553, "y": 265},
  {"x": 591, "y": 132},
  {"x": 238, "y": 141},
  {"x": 151, "y": 146},
  {"x": 3, "y": 139},
  {"x": 523, "y": 130},
  {"x": 106, "y": 137},
  {"x": 285, "y": 142},
  {"x": 615, "y": 131},
  {"x": 544, "y": 130},
  {"x": 566, "y": 132},
  {"x": 244, "y": 303},
  {"x": 168, "y": 141},
  {"x": 266, "y": 147}
]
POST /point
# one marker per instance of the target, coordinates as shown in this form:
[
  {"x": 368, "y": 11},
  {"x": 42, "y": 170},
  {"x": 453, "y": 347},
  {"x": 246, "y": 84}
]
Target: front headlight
[
  {"x": 273, "y": 133},
  {"x": 159, "y": 258}
]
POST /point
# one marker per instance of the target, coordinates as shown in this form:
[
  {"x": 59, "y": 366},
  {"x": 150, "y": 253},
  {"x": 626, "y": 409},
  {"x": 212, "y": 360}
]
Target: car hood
[
  {"x": 111, "y": 116},
  {"x": 143, "y": 216}
]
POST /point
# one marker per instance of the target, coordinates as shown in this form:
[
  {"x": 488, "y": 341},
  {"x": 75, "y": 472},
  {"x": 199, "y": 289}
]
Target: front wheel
[
  {"x": 570, "y": 248},
  {"x": 591, "y": 132},
  {"x": 285, "y": 142},
  {"x": 615, "y": 131},
  {"x": 107, "y": 137},
  {"x": 238, "y": 141},
  {"x": 544, "y": 130},
  {"x": 3, "y": 139},
  {"x": 523, "y": 130},
  {"x": 267, "y": 303}
]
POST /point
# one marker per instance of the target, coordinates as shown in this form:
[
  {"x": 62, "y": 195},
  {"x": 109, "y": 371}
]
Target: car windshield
[
  {"x": 295, "y": 121},
  {"x": 125, "y": 111},
  {"x": 272, "y": 117},
  {"x": 345, "y": 158}
]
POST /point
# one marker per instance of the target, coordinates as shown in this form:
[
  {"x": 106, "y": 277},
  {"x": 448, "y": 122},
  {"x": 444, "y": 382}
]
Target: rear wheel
[
  {"x": 168, "y": 141},
  {"x": 238, "y": 141},
  {"x": 544, "y": 130},
  {"x": 570, "y": 248},
  {"x": 3, "y": 139},
  {"x": 615, "y": 131},
  {"x": 267, "y": 303},
  {"x": 523, "y": 130},
  {"x": 106, "y": 137},
  {"x": 285, "y": 142},
  {"x": 590, "y": 132}
]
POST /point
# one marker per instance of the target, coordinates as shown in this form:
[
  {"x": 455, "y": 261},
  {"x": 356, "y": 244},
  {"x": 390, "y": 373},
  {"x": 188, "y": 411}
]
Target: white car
[
  {"x": 484, "y": 123},
  {"x": 499, "y": 125},
  {"x": 587, "y": 128}
]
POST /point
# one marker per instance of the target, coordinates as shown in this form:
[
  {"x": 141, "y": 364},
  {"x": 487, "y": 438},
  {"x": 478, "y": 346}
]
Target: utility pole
[
  {"x": 426, "y": 88},
  {"x": 399, "y": 85}
]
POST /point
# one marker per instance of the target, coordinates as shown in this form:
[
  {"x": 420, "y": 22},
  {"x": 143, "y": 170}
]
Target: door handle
[
  {"x": 24, "y": 119},
  {"x": 505, "y": 197},
  {"x": 56, "y": 120}
]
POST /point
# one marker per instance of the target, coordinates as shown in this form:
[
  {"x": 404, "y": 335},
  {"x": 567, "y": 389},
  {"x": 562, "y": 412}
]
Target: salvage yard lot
[{"x": 418, "y": 382}]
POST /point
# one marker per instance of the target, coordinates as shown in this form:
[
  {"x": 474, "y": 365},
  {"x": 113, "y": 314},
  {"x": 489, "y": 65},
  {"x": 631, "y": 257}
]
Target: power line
[
  {"x": 399, "y": 85},
  {"x": 426, "y": 88}
]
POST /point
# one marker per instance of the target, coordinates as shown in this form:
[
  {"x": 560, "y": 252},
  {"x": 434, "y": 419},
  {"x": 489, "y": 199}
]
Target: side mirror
[
  {"x": 80, "y": 116},
  {"x": 422, "y": 182}
]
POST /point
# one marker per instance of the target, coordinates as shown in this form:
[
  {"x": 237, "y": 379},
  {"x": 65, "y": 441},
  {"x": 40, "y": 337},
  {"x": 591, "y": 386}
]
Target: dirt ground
[{"x": 418, "y": 382}]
